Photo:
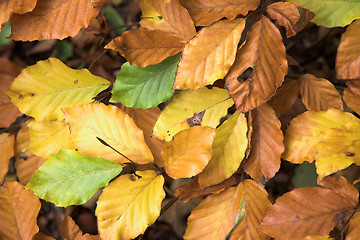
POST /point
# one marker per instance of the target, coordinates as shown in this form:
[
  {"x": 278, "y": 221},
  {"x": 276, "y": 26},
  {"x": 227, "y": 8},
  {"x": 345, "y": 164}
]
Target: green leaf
[
  {"x": 333, "y": 13},
  {"x": 114, "y": 18},
  {"x": 145, "y": 87},
  {"x": 4, "y": 33},
  {"x": 70, "y": 178},
  {"x": 63, "y": 51}
]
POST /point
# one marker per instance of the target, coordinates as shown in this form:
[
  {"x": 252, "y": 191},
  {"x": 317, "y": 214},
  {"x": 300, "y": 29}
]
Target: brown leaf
[
  {"x": 167, "y": 16},
  {"x": 266, "y": 144},
  {"x": 285, "y": 97},
  {"x": 41, "y": 236},
  {"x": 18, "y": 210},
  {"x": 7, "y": 151},
  {"x": 90, "y": 237},
  {"x": 305, "y": 211},
  {"x": 41, "y": 23},
  {"x": 352, "y": 95},
  {"x": 319, "y": 94},
  {"x": 145, "y": 47},
  {"x": 263, "y": 51},
  {"x": 98, "y": 3},
  {"x": 290, "y": 15},
  {"x": 354, "y": 227},
  {"x": 8, "y": 7},
  {"x": 69, "y": 230},
  {"x": 348, "y": 53},
  {"x": 204, "y": 12}
]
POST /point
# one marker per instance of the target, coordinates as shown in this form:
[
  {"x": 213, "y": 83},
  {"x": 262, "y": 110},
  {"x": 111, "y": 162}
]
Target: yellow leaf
[
  {"x": 209, "y": 55},
  {"x": 167, "y": 16},
  {"x": 42, "y": 89},
  {"x": 129, "y": 205},
  {"x": 47, "y": 137},
  {"x": 331, "y": 137},
  {"x": 89, "y": 122},
  {"x": 352, "y": 95},
  {"x": 189, "y": 152},
  {"x": 6, "y": 152},
  {"x": 8, "y": 7},
  {"x": 229, "y": 148},
  {"x": 202, "y": 107}
]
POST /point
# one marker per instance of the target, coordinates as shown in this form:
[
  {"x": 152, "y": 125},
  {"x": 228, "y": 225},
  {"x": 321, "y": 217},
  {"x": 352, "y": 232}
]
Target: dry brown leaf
[
  {"x": 41, "y": 236},
  {"x": 305, "y": 211},
  {"x": 315, "y": 237},
  {"x": 266, "y": 144},
  {"x": 263, "y": 51},
  {"x": 285, "y": 97},
  {"x": 90, "y": 237},
  {"x": 167, "y": 16},
  {"x": 98, "y": 3},
  {"x": 7, "y": 151},
  {"x": 208, "y": 56},
  {"x": 18, "y": 212},
  {"x": 354, "y": 227},
  {"x": 145, "y": 47},
  {"x": 290, "y": 15},
  {"x": 319, "y": 94},
  {"x": 348, "y": 53},
  {"x": 56, "y": 19},
  {"x": 352, "y": 95},
  {"x": 204, "y": 12},
  {"x": 69, "y": 230},
  {"x": 8, "y": 7}
]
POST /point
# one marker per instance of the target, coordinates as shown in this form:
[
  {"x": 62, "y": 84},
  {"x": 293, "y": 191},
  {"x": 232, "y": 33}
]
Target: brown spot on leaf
[
  {"x": 21, "y": 96},
  {"x": 196, "y": 119},
  {"x": 132, "y": 178},
  {"x": 350, "y": 154},
  {"x": 76, "y": 81}
]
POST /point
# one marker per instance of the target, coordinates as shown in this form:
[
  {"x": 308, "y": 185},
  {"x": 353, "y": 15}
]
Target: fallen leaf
[{"x": 352, "y": 95}]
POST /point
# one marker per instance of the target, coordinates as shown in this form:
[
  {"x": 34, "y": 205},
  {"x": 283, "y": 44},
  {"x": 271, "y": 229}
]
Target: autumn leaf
[
  {"x": 285, "y": 97},
  {"x": 352, "y": 95},
  {"x": 296, "y": 215},
  {"x": 18, "y": 210},
  {"x": 204, "y": 12},
  {"x": 41, "y": 236},
  {"x": 145, "y": 87},
  {"x": 7, "y": 151},
  {"x": 290, "y": 15},
  {"x": 70, "y": 178},
  {"x": 40, "y": 24},
  {"x": 98, "y": 3},
  {"x": 266, "y": 144},
  {"x": 319, "y": 94},
  {"x": 204, "y": 107},
  {"x": 36, "y": 96},
  {"x": 69, "y": 230},
  {"x": 91, "y": 122},
  {"x": 348, "y": 53},
  {"x": 354, "y": 227},
  {"x": 264, "y": 52},
  {"x": 229, "y": 148},
  {"x": 315, "y": 237},
  {"x": 209, "y": 55},
  {"x": 145, "y": 47},
  {"x": 189, "y": 152},
  {"x": 129, "y": 205},
  {"x": 8, "y": 7},
  {"x": 169, "y": 17}
]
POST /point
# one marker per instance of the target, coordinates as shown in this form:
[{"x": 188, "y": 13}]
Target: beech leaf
[
  {"x": 8, "y": 7},
  {"x": 145, "y": 87},
  {"x": 129, "y": 205},
  {"x": 352, "y": 95},
  {"x": 69, "y": 230},
  {"x": 70, "y": 178},
  {"x": 7, "y": 151},
  {"x": 285, "y": 97},
  {"x": 354, "y": 227}
]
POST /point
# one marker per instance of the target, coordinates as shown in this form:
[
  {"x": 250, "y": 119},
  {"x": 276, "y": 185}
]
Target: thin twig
[
  {"x": 98, "y": 58},
  {"x": 168, "y": 205}
]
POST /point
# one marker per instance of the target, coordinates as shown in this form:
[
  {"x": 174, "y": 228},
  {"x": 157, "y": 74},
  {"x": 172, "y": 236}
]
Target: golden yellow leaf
[
  {"x": 229, "y": 148},
  {"x": 352, "y": 95},
  {"x": 167, "y": 16},
  {"x": 348, "y": 53},
  {"x": 89, "y": 122},
  {"x": 204, "y": 12},
  {"x": 189, "y": 152},
  {"x": 209, "y": 55},
  {"x": 331, "y": 137},
  {"x": 18, "y": 210},
  {"x": 266, "y": 144},
  {"x": 47, "y": 137},
  {"x": 129, "y": 205},
  {"x": 8, "y": 7},
  {"x": 203, "y": 107},
  {"x": 354, "y": 227},
  {"x": 6, "y": 152},
  {"x": 145, "y": 47},
  {"x": 319, "y": 94},
  {"x": 56, "y": 19},
  {"x": 37, "y": 96},
  {"x": 264, "y": 52},
  {"x": 285, "y": 97}
]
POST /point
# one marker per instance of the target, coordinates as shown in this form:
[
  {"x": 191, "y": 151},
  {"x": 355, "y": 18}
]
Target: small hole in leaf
[
  {"x": 160, "y": 17},
  {"x": 245, "y": 75}
]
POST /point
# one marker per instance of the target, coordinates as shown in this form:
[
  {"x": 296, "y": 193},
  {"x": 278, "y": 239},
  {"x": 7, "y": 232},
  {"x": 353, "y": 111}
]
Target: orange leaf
[
  {"x": 189, "y": 152},
  {"x": 204, "y": 12},
  {"x": 145, "y": 47},
  {"x": 352, "y": 95},
  {"x": 266, "y": 144},
  {"x": 8, "y": 7},
  {"x": 319, "y": 94},
  {"x": 41, "y": 236},
  {"x": 354, "y": 227},
  {"x": 7, "y": 151},
  {"x": 290, "y": 15},
  {"x": 305, "y": 211},
  {"x": 315, "y": 237},
  {"x": 69, "y": 230},
  {"x": 98, "y": 3},
  {"x": 348, "y": 53},
  {"x": 209, "y": 55},
  {"x": 263, "y": 51},
  {"x": 56, "y": 19},
  {"x": 167, "y": 16},
  {"x": 18, "y": 210}
]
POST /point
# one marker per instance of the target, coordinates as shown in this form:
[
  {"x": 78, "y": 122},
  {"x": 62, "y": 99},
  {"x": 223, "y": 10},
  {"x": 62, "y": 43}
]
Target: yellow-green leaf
[
  {"x": 129, "y": 205},
  {"x": 42, "y": 89}
]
